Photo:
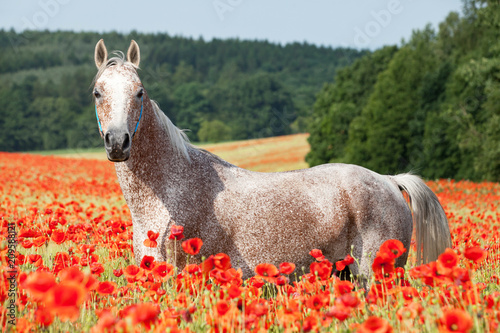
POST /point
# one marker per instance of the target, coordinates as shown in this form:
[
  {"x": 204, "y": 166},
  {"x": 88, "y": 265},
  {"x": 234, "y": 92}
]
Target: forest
[
  {"x": 218, "y": 90},
  {"x": 429, "y": 106}
]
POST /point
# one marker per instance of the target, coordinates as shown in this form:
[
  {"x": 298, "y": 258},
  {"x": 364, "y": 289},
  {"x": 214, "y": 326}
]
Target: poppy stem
[{"x": 175, "y": 252}]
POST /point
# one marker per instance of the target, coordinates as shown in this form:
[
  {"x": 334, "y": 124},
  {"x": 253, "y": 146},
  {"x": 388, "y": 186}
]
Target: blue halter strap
[{"x": 136, "y": 125}]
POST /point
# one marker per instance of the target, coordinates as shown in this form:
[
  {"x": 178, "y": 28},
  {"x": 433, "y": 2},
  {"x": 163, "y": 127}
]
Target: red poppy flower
[
  {"x": 222, "y": 307},
  {"x": 343, "y": 287},
  {"x": 391, "y": 248},
  {"x": 287, "y": 268},
  {"x": 266, "y": 271},
  {"x": 91, "y": 283},
  {"x": 39, "y": 283},
  {"x": 88, "y": 259},
  {"x": 21, "y": 258},
  {"x": 192, "y": 269},
  {"x": 207, "y": 265},
  {"x": 58, "y": 236},
  {"x": 375, "y": 324},
  {"x": 39, "y": 241},
  {"x": 27, "y": 244},
  {"x": 147, "y": 262},
  {"x": 349, "y": 300},
  {"x": 43, "y": 317},
  {"x": 455, "y": 320},
  {"x": 62, "y": 260},
  {"x": 341, "y": 264},
  {"x": 446, "y": 262},
  {"x": 105, "y": 323},
  {"x": 317, "y": 254},
  {"x": 118, "y": 272},
  {"x": 72, "y": 273},
  {"x": 316, "y": 302},
  {"x": 234, "y": 291},
  {"x": 142, "y": 313},
  {"x": 281, "y": 280},
  {"x": 65, "y": 299},
  {"x": 87, "y": 249},
  {"x": 258, "y": 308},
  {"x": 118, "y": 227},
  {"x": 132, "y": 273},
  {"x": 106, "y": 288},
  {"x": 29, "y": 233},
  {"x": 409, "y": 293},
  {"x": 321, "y": 270},
  {"x": 255, "y": 281},
  {"x": 222, "y": 261},
  {"x": 475, "y": 254},
  {"x": 152, "y": 237},
  {"x": 192, "y": 246},
  {"x": 176, "y": 232},
  {"x": 228, "y": 277},
  {"x": 161, "y": 270},
  {"x": 382, "y": 266},
  {"x": 448, "y": 258},
  {"x": 35, "y": 259},
  {"x": 340, "y": 312},
  {"x": 96, "y": 268},
  {"x": 310, "y": 324}
]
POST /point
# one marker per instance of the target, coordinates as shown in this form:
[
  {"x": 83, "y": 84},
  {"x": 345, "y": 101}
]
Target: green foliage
[
  {"x": 432, "y": 107},
  {"x": 255, "y": 106},
  {"x": 214, "y": 131},
  {"x": 256, "y": 89},
  {"x": 338, "y": 105}
]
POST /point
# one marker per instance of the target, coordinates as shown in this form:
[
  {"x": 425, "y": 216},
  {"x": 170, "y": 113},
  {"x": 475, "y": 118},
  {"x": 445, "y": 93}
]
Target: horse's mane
[{"x": 178, "y": 137}]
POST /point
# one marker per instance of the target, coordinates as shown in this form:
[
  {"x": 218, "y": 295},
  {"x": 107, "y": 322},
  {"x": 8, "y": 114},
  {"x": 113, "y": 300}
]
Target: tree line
[
  {"x": 218, "y": 89},
  {"x": 431, "y": 105}
]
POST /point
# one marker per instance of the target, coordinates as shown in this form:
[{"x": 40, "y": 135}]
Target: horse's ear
[
  {"x": 100, "y": 54},
  {"x": 134, "y": 54}
]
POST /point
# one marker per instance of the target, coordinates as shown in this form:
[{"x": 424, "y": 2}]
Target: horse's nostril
[
  {"x": 107, "y": 139},
  {"x": 126, "y": 142}
]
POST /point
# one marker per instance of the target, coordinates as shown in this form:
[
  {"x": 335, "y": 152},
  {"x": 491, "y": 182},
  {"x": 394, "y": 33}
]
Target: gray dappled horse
[{"x": 253, "y": 217}]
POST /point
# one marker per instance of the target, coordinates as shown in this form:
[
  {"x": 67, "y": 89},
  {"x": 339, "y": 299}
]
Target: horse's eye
[
  {"x": 140, "y": 93},
  {"x": 97, "y": 94}
]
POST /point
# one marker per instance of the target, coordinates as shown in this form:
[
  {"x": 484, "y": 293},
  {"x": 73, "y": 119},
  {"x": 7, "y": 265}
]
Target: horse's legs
[{"x": 360, "y": 271}]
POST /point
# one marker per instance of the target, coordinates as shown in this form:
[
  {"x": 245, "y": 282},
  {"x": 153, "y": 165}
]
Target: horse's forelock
[{"x": 117, "y": 60}]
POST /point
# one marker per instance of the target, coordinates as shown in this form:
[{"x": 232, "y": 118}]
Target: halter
[{"x": 136, "y": 126}]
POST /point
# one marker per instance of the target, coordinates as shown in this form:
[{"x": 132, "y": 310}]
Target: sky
[{"x": 347, "y": 23}]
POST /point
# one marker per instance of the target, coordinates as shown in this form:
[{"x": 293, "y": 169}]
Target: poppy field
[{"x": 68, "y": 266}]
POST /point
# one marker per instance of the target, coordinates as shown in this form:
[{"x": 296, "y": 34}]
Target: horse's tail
[{"x": 432, "y": 230}]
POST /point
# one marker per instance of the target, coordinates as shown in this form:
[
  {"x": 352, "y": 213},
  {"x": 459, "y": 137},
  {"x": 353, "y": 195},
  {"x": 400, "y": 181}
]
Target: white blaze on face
[{"x": 119, "y": 85}]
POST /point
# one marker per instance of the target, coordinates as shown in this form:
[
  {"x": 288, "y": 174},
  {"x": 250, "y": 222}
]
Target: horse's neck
[{"x": 153, "y": 159}]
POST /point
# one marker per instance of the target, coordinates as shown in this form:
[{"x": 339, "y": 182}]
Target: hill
[{"x": 238, "y": 87}]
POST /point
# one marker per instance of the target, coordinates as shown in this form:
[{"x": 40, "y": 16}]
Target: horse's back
[{"x": 332, "y": 207}]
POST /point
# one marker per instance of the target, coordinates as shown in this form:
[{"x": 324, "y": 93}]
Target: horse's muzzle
[{"x": 117, "y": 144}]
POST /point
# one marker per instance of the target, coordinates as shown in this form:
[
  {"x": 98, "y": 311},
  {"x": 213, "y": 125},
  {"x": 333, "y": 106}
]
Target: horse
[{"x": 253, "y": 217}]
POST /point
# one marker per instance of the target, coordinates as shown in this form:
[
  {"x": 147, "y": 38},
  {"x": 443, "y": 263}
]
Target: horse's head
[{"x": 119, "y": 100}]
